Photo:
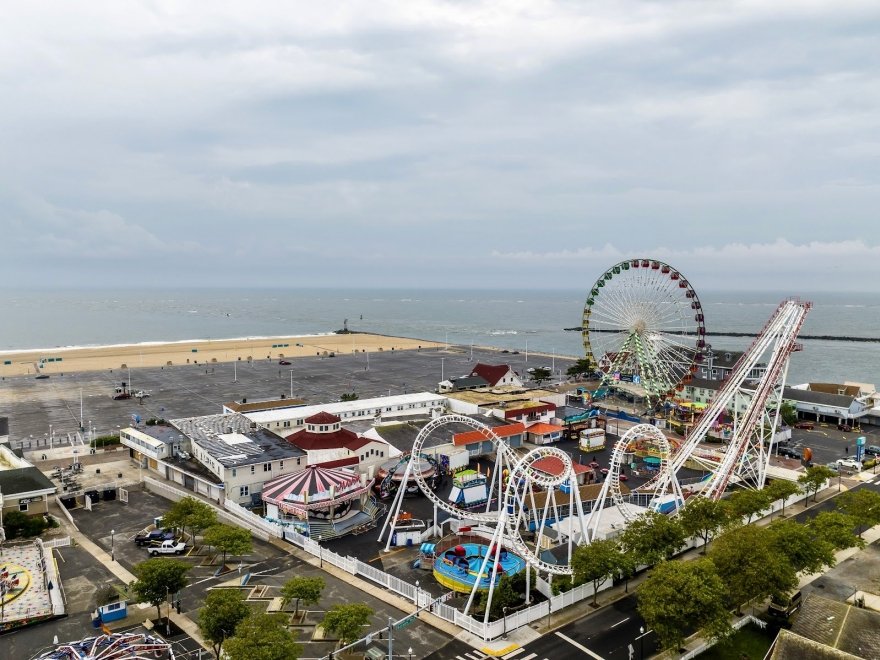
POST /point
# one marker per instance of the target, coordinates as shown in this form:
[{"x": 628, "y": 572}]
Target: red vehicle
[
  {"x": 846, "y": 428},
  {"x": 808, "y": 426}
]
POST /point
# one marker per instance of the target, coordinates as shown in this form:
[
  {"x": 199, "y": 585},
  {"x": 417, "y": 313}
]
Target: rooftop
[
  {"x": 342, "y": 407},
  {"x": 475, "y": 435},
  {"x": 840, "y": 626},
  {"x": 500, "y": 396},
  {"x": 18, "y": 481},
  {"x": 232, "y": 440},
  {"x": 266, "y": 404}
]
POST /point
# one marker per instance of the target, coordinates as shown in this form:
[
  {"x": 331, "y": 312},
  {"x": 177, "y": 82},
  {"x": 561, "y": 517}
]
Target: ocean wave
[{"x": 502, "y": 332}]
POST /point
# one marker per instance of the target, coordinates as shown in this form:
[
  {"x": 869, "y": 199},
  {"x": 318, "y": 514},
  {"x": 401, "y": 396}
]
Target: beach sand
[{"x": 155, "y": 354}]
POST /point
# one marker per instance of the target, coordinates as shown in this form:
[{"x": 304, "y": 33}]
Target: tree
[
  {"x": 813, "y": 479},
  {"x": 788, "y": 412},
  {"x": 305, "y": 589},
  {"x": 748, "y": 503},
  {"x": 780, "y": 489},
  {"x": 805, "y": 550},
  {"x": 540, "y": 374},
  {"x": 224, "y": 609},
  {"x": 678, "y": 594},
  {"x": 157, "y": 578},
  {"x": 263, "y": 637},
  {"x": 596, "y": 562},
  {"x": 863, "y": 505},
  {"x": 192, "y": 513},
  {"x": 836, "y": 528},
  {"x": 347, "y": 621},
  {"x": 750, "y": 565},
  {"x": 228, "y": 539},
  {"x": 583, "y": 367},
  {"x": 704, "y": 517},
  {"x": 349, "y": 396},
  {"x": 504, "y": 595},
  {"x": 652, "y": 537}
]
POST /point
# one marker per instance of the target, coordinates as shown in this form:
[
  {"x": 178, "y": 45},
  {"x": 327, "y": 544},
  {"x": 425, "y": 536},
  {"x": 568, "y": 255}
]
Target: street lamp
[
  {"x": 442, "y": 372},
  {"x": 409, "y": 652},
  {"x": 112, "y": 553},
  {"x": 320, "y": 553},
  {"x": 504, "y": 612},
  {"x": 641, "y": 642}
]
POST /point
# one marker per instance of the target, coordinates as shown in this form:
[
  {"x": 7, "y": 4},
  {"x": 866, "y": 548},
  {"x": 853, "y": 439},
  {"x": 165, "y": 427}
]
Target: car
[
  {"x": 284, "y": 363},
  {"x": 846, "y": 428},
  {"x": 170, "y": 547},
  {"x": 154, "y": 537},
  {"x": 791, "y": 452},
  {"x": 872, "y": 450},
  {"x": 850, "y": 463},
  {"x": 806, "y": 426},
  {"x": 504, "y": 350},
  {"x": 833, "y": 466}
]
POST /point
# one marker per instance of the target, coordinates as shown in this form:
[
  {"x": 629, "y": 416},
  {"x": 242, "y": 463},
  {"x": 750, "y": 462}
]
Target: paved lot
[{"x": 187, "y": 390}]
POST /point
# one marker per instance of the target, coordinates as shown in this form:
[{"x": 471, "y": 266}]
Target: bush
[
  {"x": 105, "y": 441},
  {"x": 20, "y": 525}
]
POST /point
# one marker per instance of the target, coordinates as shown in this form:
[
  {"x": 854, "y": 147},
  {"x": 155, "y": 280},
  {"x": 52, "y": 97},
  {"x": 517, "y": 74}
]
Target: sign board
[{"x": 404, "y": 623}]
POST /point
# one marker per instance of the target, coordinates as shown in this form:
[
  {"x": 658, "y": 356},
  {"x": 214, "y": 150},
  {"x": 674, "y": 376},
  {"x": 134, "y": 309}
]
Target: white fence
[
  {"x": 57, "y": 543},
  {"x": 52, "y": 580},
  {"x": 736, "y": 625}
]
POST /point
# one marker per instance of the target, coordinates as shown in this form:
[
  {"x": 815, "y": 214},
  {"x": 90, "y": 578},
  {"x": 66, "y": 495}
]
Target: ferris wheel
[{"x": 643, "y": 323}]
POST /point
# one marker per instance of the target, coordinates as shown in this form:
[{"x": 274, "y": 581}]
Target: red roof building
[
  {"x": 497, "y": 374},
  {"x": 326, "y": 443}
]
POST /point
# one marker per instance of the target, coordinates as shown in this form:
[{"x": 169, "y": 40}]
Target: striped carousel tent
[{"x": 315, "y": 487}]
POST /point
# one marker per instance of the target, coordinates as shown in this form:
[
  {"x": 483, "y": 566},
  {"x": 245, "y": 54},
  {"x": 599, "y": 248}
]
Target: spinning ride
[{"x": 643, "y": 323}]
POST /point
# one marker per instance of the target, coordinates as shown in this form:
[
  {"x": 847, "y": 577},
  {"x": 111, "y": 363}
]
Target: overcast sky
[{"x": 439, "y": 144}]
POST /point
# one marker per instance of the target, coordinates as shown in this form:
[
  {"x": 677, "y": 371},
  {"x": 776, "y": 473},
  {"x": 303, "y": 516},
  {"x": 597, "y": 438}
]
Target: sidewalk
[{"x": 182, "y": 621}]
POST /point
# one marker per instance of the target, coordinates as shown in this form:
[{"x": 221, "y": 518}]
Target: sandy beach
[{"x": 157, "y": 354}]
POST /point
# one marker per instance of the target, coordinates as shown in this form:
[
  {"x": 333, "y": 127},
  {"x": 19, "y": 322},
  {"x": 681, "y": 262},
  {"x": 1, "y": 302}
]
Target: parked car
[
  {"x": 791, "y": 452},
  {"x": 846, "y": 428},
  {"x": 786, "y": 606},
  {"x": 872, "y": 450},
  {"x": 154, "y": 537},
  {"x": 850, "y": 463},
  {"x": 807, "y": 426},
  {"x": 833, "y": 466},
  {"x": 284, "y": 362},
  {"x": 170, "y": 547}
]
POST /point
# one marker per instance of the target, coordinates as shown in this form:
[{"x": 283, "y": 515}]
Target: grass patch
[{"x": 750, "y": 642}]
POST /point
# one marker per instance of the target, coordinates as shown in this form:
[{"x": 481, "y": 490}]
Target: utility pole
[{"x": 390, "y": 638}]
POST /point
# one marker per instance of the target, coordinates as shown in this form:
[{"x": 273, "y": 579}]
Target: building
[
  {"x": 718, "y": 365},
  {"x": 462, "y": 384},
  {"x": 23, "y": 487},
  {"x": 218, "y": 456},
  {"x": 824, "y": 402},
  {"x": 287, "y": 420},
  {"x": 542, "y": 433},
  {"x": 4, "y": 430},
  {"x": 497, "y": 374},
  {"x": 325, "y": 442},
  {"x": 244, "y": 406},
  {"x": 476, "y": 443},
  {"x": 495, "y": 401}
]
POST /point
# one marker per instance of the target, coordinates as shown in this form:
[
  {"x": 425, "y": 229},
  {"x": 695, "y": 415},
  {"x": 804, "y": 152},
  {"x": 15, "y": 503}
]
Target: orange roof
[
  {"x": 505, "y": 431},
  {"x": 543, "y": 429},
  {"x": 553, "y": 466}
]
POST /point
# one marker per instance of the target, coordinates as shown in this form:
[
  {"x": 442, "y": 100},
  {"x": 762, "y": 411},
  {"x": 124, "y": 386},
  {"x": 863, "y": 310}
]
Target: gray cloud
[{"x": 387, "y": 143}]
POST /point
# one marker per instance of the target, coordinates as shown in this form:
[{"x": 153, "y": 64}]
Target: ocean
[{"x": 515, "y": 320}]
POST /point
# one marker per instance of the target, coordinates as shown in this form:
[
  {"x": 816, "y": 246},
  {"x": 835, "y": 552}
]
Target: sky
[{"x": 417, "y": 143}]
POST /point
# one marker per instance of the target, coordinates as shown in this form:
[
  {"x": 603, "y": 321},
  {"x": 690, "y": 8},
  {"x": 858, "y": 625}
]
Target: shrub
[{"x": 105, "y": 441}]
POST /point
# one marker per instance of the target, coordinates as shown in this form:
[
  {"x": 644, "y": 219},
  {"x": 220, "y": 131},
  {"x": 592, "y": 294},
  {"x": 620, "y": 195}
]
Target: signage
[{"x": 404, "y": 623}]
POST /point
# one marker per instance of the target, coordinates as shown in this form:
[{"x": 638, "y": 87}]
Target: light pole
[
  {"x": 504, "y": 612},
  {"x": 291, "y": 383},
  {"x": 320, "y": 553},
  {"x": 641, "y": 642},
  {"x": 112, "y": 548},
  {"x": 409, "y": 652},
  {"x": 442, "y": 369}
]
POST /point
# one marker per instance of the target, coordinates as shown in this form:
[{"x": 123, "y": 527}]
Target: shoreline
[{"x": 70, "y": 359}]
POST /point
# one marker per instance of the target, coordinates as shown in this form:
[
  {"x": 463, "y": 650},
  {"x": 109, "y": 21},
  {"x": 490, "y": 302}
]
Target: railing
[
  {"x": 736, "y": 625},
  {"x": 57, "y": 543}
]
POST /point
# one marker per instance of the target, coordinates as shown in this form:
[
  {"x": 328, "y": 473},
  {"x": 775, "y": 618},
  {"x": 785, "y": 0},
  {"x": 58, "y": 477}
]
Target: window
[
  {"x": 287, "y": 424},
  {"x": 22, "y": 506},
  {"x": 280, "y": 465},
  {"x": 234, "y": 472},
  {"x": 297, "y": 461},
  {"x": 267, "y": 467},
  {"x": 253, "y": 469},
  {"x": 243, "y": 491}
]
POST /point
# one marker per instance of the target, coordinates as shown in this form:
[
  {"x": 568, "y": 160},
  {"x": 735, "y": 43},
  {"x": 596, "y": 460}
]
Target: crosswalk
[{"x": 474, "y": 654}]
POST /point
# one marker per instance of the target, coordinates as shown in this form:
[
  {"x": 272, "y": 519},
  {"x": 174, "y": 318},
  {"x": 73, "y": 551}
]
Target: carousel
[
  {"x": 321, "y": 502},
  {"x": 391, "y": 473}
]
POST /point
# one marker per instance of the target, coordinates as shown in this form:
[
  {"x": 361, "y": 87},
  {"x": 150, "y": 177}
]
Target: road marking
[
  {"x": 530, "y": 656},
  {"x": 512, "y": 654},
  {"x": 579, "y": 646},
  {"x": 619, "y": 622}
]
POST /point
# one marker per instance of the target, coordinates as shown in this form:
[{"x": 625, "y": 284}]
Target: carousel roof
[{"x": 313, "y": 480}]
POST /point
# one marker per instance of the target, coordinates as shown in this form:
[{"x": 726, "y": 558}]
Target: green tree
[
  {"x": 263, "y": 636},
  {"x": 652, "y": 537},
  {"x": 681, "y": 593},
  {"x": 302, "y": 589},
  {"x": 704, "y": 517},
  {"x": 805, "y": 550},
  {"x": 349, "y": 396},
  {"x": 191, "y": 513},
  {"x": 224, "y": 609},
  {"x": 788, "y": 413},
  {"x": 813, "y": 479},
  {"x": 748, "y": 562},
  {"x": 347, "y": 621},
  {"x": 836, "y": 528},
  {"x": 780, "y": 489},
  {"x": 596, "y": 562},
  {"x": 157, "y": 578},
  {"x": 748, "y": 503},
  {"x": 228, "y": 539},
  {"x": 541, "y": 374},
  {"x": 583, "y": 367},
  {"x": 863, "y": 505}
]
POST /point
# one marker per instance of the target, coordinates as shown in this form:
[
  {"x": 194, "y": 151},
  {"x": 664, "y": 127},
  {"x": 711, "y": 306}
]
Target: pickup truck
[
  {"x": 170, "y": 547},
  {"x": 154, "y": 537}
]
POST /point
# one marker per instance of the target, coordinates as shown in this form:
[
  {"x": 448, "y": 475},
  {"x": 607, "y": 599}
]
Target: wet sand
[{"x": 155, "y": 354}]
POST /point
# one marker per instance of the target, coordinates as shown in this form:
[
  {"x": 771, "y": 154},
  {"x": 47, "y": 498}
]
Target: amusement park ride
[{"x": 642, "y": 318}]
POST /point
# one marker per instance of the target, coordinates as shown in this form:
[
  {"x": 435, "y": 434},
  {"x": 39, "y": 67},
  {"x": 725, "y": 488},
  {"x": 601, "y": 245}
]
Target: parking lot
[{"x": 188, "y": 390}]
